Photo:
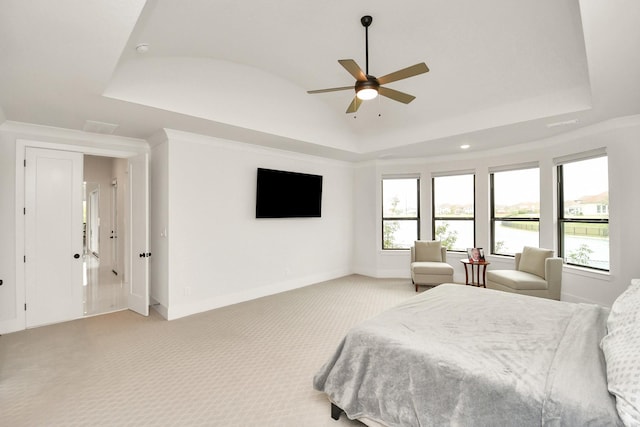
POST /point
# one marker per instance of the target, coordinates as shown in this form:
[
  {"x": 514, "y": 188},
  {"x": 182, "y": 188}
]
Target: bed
[{"x": 460, "y": 355}]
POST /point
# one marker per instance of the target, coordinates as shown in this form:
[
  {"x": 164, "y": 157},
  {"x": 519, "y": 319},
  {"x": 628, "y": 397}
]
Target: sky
[
  {"x": 517, "y": 186},
  {"x": 583, "y": 178},
  {"x": 405, "y": 189}
]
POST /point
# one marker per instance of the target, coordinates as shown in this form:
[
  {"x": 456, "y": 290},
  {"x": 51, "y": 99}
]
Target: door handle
[
  {"x": 76, "y": 256},
  {"x": 145, "y": 255}
]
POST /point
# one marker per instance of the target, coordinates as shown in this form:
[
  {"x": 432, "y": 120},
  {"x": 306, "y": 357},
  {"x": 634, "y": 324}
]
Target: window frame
[
  {"x": 562, "y": 220},
  {"x": 492, "y": 208},
  {"x": 383, "y": 218},
  {"x": 435, "y": 218}
]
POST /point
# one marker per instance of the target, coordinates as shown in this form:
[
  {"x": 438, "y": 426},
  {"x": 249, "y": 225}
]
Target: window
[
  {"x": 400, "y": 212},
  {"x": 454, "y": 211},
  {"x": 583, "y": 213},
  {"x": 515, "y": 210}
]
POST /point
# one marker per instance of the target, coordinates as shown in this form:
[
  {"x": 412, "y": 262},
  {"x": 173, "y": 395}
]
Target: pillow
[
  {"x": 428, "y": 251},
  {"x": 532, "y": 260},
  {"x": 625, "y": 308},
  {"x": 621, "y": 347}
]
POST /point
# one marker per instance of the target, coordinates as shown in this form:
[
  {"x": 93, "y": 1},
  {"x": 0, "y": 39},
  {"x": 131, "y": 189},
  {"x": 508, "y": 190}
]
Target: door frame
[
  {"x": 93, "y": 221},
  {"x": 113, "y": 232},
  {"x": 109, "y": 147}
]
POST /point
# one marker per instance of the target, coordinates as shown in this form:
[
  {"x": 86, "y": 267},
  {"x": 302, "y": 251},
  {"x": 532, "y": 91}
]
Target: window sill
[
  {"x": 586, "y": 272},
  {"x": 500, "y": 258},
  {"x": 394, "y": 252}
]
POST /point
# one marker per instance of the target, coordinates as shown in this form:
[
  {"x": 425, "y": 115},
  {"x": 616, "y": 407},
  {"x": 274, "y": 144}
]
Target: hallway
[{"x": 103, "y": 291}]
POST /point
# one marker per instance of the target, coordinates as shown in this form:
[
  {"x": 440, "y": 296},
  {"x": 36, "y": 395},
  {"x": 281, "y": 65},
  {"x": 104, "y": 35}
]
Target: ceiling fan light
[{"x": 367, "y": 93}]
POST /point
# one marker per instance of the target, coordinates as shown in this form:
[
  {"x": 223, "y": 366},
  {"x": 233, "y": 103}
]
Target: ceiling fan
[{"x": 367, "y": 86}]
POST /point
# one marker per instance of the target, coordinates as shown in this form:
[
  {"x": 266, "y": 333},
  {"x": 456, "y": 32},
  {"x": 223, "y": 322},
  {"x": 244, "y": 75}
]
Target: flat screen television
[{"x": 282, "y": 194}]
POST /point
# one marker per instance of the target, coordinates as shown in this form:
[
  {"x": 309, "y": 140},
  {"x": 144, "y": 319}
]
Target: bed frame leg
[{"x": 335, "y": 412}]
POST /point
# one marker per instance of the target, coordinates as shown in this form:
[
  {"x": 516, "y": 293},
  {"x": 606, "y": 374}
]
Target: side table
[{"x": 478, "y": 274}]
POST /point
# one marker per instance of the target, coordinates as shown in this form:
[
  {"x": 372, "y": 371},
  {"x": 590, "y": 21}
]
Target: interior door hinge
[
  {"x": 24, "y": 211},
  {"x": 25, "y": 306},
  {"x": 25, "y": 163},
  {"x": 24, "y": 258}
]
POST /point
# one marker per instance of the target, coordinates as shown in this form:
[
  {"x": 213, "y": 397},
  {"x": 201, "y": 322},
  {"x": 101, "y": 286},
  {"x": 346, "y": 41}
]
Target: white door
[
  {"x": 53, "y": 236},
  {"x": 139, "y": 241}
]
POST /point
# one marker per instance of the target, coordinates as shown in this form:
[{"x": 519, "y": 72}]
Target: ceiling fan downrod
[{"x": 366, "y": 21}]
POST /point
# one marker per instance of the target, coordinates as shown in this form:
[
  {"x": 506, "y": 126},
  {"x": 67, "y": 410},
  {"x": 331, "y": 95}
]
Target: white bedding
[{"x": 460, "y": 355}]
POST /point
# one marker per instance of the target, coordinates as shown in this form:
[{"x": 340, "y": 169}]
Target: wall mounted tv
[{"x": 282, "y": 194}]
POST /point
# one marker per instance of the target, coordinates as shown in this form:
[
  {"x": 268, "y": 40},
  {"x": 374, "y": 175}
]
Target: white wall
[
  {"x": 365, "y": 238},
  {"x": 158, "y": 224},
  {"x": 219, "y": 253},
  {"x": 620, "y": 137},
  {"x": 7, "y": 229}
]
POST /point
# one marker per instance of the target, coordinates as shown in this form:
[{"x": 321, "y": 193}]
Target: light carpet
[{"x": 250, "y": 364}]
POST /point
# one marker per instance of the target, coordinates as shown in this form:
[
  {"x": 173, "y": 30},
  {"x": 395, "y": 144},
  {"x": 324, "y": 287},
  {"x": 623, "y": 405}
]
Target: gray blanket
[{"x": 459, "y": 355}]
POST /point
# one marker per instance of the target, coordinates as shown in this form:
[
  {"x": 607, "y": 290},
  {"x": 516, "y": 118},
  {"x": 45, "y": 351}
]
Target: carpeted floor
[{"x": 250, "y": 364}]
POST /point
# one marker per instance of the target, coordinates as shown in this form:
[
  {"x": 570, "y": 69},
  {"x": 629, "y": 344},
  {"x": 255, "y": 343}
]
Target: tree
[
  {"x": 390, "y": 227},
  {"x": 499, "y": 246},
  {"x": 581, "y": 255},
  {"x": 446, "y": 237}
]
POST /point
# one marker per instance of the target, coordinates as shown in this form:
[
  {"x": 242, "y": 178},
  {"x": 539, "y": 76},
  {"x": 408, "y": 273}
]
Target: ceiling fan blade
[
  {"x": 355, "y": 104},
  {"x": 414, "y": 70},
  {"x": 353, "y": 69},
  {"x": 333, "y": 89},
  {"x": 396, "y": 95}
]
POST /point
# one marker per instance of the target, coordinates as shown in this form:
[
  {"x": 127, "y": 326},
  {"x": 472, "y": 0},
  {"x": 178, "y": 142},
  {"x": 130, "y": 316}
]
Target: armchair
[
  {"x": 537, "y": 273},
  {"x": 429, "y": 264}
]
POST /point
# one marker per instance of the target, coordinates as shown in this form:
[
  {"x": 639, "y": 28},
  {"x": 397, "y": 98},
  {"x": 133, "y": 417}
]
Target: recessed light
[
  {"x": 142, "y": 48},
  {"x": 465, "y": 146}
]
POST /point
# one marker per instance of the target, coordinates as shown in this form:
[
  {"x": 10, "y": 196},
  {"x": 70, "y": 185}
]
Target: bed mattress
[{"x": 460, "y": 355}]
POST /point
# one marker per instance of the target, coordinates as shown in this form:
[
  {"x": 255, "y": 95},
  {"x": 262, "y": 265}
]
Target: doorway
[
  {"x": 50, "y": 232},
  {"x": 103, "y": 283}
]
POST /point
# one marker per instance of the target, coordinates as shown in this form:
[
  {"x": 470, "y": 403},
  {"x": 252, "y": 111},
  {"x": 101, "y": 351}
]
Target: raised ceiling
[{"x": 501, "y": 71}]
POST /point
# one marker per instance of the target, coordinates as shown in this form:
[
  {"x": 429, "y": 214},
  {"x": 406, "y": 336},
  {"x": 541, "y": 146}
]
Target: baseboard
[
  {"x": 369, "y": 272},
  {"x": 161, "y": 309},
  {"x": 187, "y": 309}
]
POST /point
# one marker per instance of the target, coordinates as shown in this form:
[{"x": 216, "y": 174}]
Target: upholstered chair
[
  {"x": 429, "y": 264},
  {"x": 537, "y": 273}
]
